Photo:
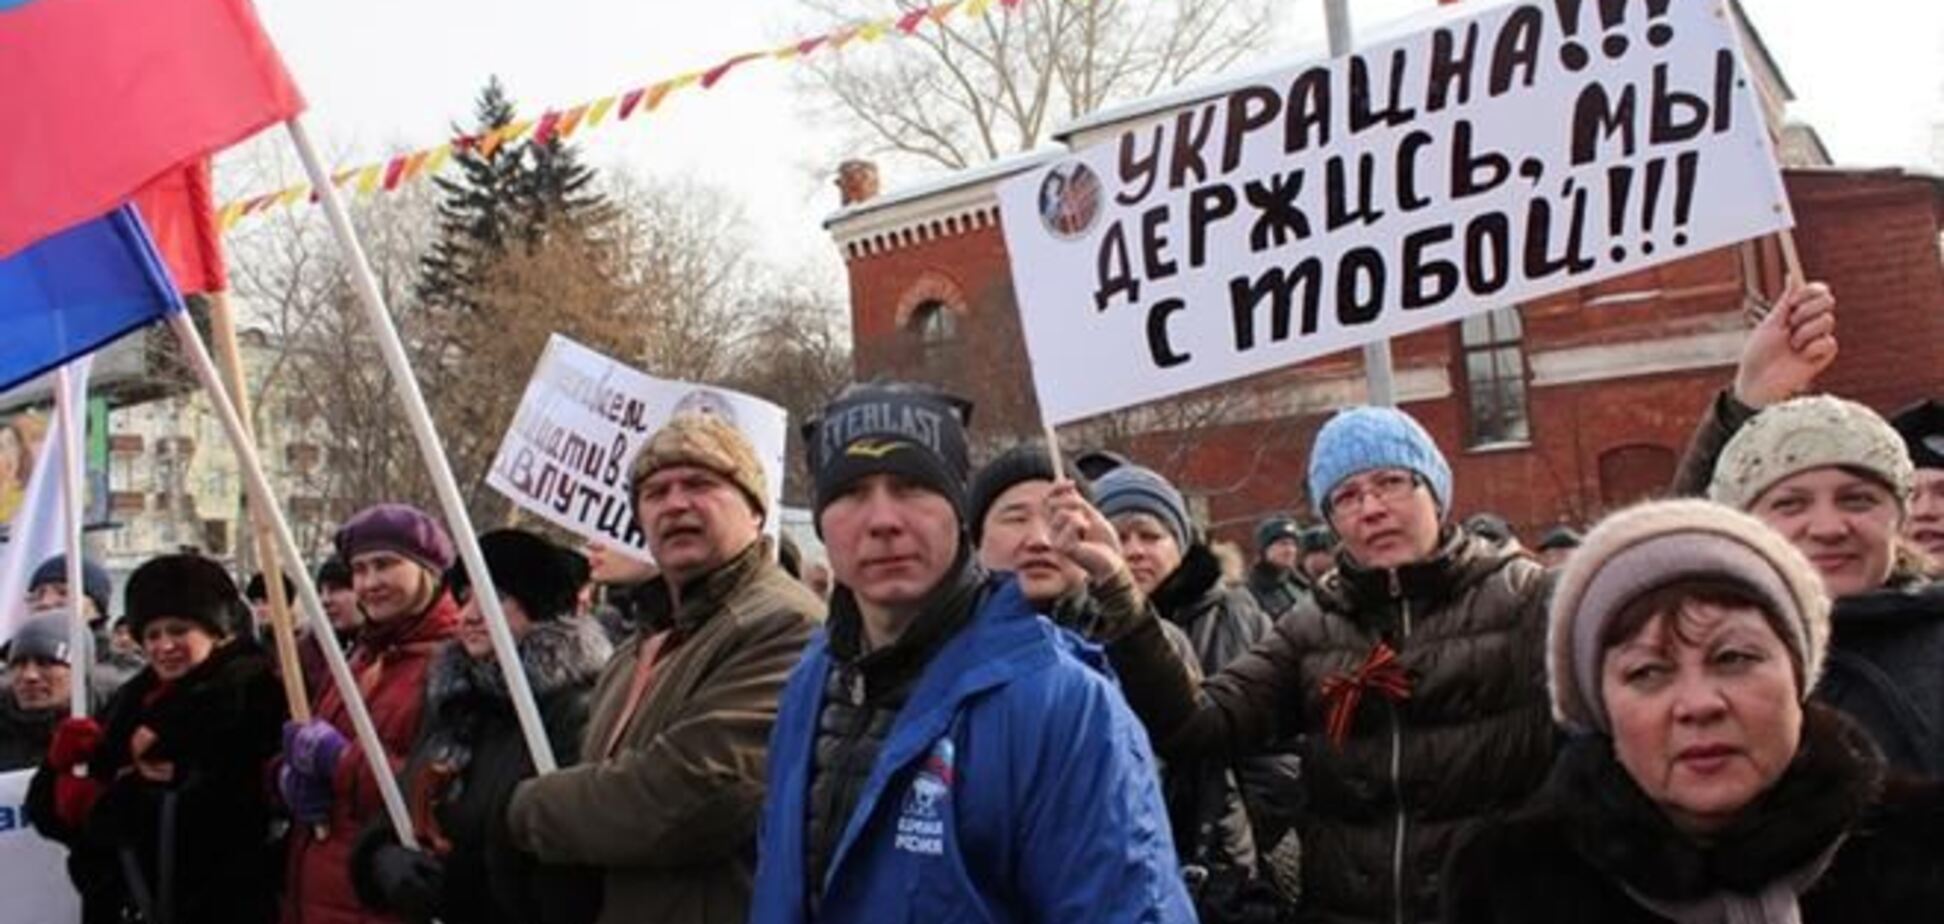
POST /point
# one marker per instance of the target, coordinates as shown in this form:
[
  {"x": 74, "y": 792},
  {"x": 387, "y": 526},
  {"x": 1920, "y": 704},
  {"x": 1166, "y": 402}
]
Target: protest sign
[
  {"x": 1520, "y": 150},
  {"x": 581, "y": 422},
  {"x": 33, "y": 869}
]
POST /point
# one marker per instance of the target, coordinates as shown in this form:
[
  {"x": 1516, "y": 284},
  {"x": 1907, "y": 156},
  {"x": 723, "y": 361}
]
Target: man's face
[
  {"x": 1926, "y": 524},
  {"x": 259, "y": 613},
  {"x": 1018, "y": 537},
  {"x": 53, "y": 595},
  {"x": 890, "y": 539},
  {"x": 39, "y": 683},
  {"x": 695, "y": 520},
  {"x": 391, "y": 586},
  {"x": 1282, "y": 553},
  {"x": 1385, "y": 517},
  {"x": 341, "y": 607}
]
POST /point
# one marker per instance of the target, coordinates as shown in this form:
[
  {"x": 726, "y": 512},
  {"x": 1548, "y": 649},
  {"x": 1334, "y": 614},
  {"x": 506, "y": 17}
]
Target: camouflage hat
[{"x": 704, "y": 441}]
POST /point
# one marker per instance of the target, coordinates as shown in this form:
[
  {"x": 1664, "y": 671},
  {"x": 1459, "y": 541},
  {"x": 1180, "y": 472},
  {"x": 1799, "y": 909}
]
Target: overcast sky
[{"x": 384, "y": 76}]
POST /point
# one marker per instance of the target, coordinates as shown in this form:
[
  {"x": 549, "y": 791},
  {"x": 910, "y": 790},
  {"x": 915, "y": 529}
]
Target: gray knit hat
[
  {"x": 1134, "y": 489},
  {"x": 1650, "y": 546},
  {"x": 1819, "y": 431}
]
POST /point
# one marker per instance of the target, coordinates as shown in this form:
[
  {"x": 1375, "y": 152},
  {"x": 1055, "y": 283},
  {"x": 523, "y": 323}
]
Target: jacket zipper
[{"x": 1397, "y": 765}]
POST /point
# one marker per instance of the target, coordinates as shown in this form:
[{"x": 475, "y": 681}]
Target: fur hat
[
  {"x": 1364, "y": 438},
  {"x": 542, "y": 576},
  {"x": 95, "y": 584},
  {"x": 1650, "y": 546},
  {"x": 184, "y": 587},
  {"x": 890, "y": 428},
  {"x": 1819, "y": 431},
  {"x": 1134, "y": 489},
  {"x": 1022, "y": 463},
  {"x": 704, "y": 441}
]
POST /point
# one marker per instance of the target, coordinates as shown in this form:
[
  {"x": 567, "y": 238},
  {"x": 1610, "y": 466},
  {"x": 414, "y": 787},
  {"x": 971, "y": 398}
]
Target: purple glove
[
  {"x": 308, "y": 797},
  {"x": 313, "y": 748}
]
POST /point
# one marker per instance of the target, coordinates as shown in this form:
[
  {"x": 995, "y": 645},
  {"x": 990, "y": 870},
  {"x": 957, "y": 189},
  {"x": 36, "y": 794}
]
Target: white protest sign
[
  {"x": 34, "y": 885},
  {"x": 1521, "y": 150},
  {"x": 581, "y": 422}
]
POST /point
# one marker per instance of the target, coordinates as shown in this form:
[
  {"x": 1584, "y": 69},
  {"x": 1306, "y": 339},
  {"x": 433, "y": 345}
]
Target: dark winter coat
[
  {"x": 391, "y": 662},
  {"x": 1886, "y": 646},
  {"x": 24, "y": 733},
  {"x": 1276, "y": 589},
  {"x": 460, "y": 778},
  {"x": 670, "y": 815},
  {"x": 1382, "y": 809},
  {"x": 200, "y": 843},
  {"x": 1205, "y": 801},
  {"x": 1593, "y": 849}
]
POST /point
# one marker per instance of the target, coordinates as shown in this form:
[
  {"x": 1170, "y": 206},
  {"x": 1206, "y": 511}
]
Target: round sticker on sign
[{"x": 1069, "y": 200}]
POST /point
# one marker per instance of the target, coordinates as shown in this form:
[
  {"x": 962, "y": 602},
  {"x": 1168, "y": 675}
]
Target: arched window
[
  {"x": 1495, "y": 377},
  {"x": 934, "y": 324}
]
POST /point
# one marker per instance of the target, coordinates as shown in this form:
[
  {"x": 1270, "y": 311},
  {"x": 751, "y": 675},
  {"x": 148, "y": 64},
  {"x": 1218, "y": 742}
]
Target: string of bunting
[{"x": 374, "y": 178}]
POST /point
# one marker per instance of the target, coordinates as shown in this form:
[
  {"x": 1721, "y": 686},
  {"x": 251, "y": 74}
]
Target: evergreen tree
[{"x": 475, "y": 209}]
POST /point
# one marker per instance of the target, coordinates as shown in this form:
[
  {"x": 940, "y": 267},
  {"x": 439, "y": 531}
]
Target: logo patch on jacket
[{"x": 921, "y": 825}]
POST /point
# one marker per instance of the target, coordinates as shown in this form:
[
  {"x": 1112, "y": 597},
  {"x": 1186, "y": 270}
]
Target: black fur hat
[
  {"x": 184, "y": 587},
  {"x": 544, "y": 577}
]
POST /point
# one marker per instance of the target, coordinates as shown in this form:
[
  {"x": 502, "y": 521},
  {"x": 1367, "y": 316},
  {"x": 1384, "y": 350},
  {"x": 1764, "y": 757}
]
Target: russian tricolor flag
[{"x": 104, "y": 99}]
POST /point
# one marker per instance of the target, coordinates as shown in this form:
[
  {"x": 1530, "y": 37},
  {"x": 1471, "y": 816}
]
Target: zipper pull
[{"x": 1396, "y": 583}]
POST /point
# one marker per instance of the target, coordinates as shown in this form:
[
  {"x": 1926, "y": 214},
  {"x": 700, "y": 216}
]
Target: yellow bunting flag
[
  {"x": 599, "y": 111},
  {"x": 390, "y": 174}
]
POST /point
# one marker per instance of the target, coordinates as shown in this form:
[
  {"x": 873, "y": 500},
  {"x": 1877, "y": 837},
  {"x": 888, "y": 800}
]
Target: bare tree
[
  {"x": 797, "y": 353},
  {"x": 963, "y": 91}
]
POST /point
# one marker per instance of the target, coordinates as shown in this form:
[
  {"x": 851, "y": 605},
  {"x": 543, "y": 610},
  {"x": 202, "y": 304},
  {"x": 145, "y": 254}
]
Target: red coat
[{"x": 391, "y": 668}]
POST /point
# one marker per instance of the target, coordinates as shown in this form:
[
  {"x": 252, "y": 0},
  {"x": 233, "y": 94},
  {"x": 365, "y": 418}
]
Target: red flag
[
  {"x": 181, "y": 217},
  {"x": 104, "y": 96}
]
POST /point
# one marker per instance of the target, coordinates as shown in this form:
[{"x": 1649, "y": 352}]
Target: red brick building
[{"x": 1551, "y": 411}]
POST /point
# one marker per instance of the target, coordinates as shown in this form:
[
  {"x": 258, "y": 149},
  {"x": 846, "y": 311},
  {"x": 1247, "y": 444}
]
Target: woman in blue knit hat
[{"x": 1416, "y": 676}]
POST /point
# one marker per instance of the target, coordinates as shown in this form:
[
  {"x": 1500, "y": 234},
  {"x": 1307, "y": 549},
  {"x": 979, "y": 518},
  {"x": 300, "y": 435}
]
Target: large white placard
[
  {"x": 581, "y": 422},
  {"x": 34, "y": 885},
  {"x": 1524, "y": 149}
]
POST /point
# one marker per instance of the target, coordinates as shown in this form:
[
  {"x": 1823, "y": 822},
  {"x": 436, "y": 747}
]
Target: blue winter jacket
[{"x": 1016, "y": 786}]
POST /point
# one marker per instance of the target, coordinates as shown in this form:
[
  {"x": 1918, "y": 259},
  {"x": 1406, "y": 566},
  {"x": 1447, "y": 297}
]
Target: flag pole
[
  {"x": 222, "y": 328},
  {"x": 378, "y": 319},
  {"x": 264, "y": 499},
  {"x": 79, "y": 635}
]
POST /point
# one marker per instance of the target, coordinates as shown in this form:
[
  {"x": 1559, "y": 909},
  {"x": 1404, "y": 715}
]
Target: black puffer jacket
[
  {"x": 460, "y": 777},
  {"x": 201, "y": 842},
  {"x": 1473, "y": 739},
  {"x": 1593, "y": 849},
  {"x": 1276, "y": 589}
]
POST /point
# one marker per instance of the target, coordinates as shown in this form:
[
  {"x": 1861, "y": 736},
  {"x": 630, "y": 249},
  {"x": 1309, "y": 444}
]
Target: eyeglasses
[{"x": 1387, "y": 487}]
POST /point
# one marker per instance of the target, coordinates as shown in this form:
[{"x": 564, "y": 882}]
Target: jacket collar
[
  {"x": 1835, "y": 777},
  {"x": 1193, "y": 586},
  {"x": 1461, "y": 560},
  {"x": 1898, "y": 603},
  {"x": 703, "y": 596}
]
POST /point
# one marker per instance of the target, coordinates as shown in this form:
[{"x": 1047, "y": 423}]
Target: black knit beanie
[
  {"x": 890, "y": 428},
  {"x": 1022, "y": 463}
]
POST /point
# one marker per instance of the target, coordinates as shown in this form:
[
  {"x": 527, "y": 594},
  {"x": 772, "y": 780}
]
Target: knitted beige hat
[
  {"x": 1649, "y": 546},
  {"x": 1818, "y": 431},
  {"x": 704, "y": 441}
]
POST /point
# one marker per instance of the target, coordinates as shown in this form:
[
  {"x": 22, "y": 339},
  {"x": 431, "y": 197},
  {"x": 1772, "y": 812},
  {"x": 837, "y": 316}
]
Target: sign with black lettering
[
  {"x": 1516, "y": 151},
  {"x": 581, "y": 422},
  {"x": 33, "y": 869}
]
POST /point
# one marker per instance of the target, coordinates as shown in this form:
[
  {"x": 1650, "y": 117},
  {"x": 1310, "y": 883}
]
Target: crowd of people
[{"x": 1032, "y": 692}]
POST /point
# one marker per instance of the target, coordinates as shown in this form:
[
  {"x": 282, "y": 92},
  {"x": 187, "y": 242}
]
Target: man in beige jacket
[{"x": 675, "y": 751}]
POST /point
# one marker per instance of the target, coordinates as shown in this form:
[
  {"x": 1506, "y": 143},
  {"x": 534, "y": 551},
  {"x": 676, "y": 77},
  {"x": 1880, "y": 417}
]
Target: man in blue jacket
[{"x": 942, "y": 753}]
